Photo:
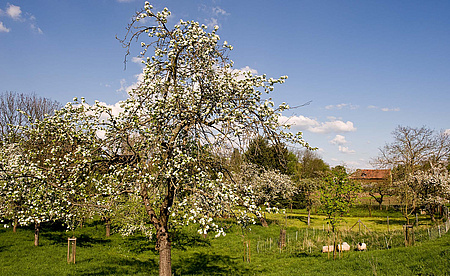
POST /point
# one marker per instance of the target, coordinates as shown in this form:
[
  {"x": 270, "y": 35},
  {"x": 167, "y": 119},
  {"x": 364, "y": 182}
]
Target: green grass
[{"x": 195, "y": 255}]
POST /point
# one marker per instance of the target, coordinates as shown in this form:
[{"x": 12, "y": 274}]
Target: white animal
[
  {"x": 327, "y": 248},
  {"x": 344, "y": 247},
  {"x": 361, "y": 246}
]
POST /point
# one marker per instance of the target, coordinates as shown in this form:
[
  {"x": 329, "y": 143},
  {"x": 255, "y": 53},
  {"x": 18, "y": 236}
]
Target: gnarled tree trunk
[
  {"x": 163, "y": 244},
  {"x": 165, "y": 257}
]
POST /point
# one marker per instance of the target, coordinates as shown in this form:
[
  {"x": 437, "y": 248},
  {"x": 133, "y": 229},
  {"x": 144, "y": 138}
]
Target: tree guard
[{"x": 71, "y": 249}]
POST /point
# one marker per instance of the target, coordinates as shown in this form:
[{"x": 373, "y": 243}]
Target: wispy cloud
[
  {"x": 213, "y": 15},
  {"x": 312, "y": 125},
  {"x": 384, "y": 109},
  {"x": 3, "y": 28},
  {"x": 211, "y": 22},
  {"x": 36, "y": 28},
  {"x": 341, "y": 106},
  {"x": 15, "y": 13},
  {"x": 219, "y": 11}
]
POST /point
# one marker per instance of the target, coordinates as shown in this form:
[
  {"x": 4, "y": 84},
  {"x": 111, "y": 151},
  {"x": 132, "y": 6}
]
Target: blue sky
[{"x": 367, "y": 66}]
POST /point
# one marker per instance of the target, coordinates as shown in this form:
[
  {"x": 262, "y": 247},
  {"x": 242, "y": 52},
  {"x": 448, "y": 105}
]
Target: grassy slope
[{"x": 97, "y": 255}]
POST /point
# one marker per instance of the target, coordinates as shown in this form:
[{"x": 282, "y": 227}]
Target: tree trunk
[
  {"x": 108, "y": 227},
  {"x": 165, "y": 258},
  {"x": 309, "y": 216},
  {"x": 15, "y": 225},
  {"x": 263, "y": 221},
  {"x": 36, "y": 233}
]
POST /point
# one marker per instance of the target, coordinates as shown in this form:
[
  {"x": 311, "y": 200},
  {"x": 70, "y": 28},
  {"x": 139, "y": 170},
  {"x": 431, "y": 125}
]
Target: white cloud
[
  {"x": 341, "y": 106},
  {"x": 338, "y": 140},
  {"x": 298, "y": 121},
  {"x": 127, "y": 88},
  {"x": 345, "y": 150},
  {"x": 115, "y": 110},
  {"x": 14, "y": 12},
  {"x": 333, "y": 126},
  {"x": 248, "y": 69},
  {"x": 242, "y": 70},
  {"x": 312, "y": 125},
  {"x": 122, "y": 86},
  {"x": 3, "y": 29},
  {"x": 136, "y": 60},
  {"x": 384, "y": 109}
]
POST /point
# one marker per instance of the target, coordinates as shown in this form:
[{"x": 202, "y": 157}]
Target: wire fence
[{"x": 311, "y": 240}]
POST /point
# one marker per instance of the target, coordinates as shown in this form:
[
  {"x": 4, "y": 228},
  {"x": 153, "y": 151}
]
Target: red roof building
[{"x": 371, "y": 175}]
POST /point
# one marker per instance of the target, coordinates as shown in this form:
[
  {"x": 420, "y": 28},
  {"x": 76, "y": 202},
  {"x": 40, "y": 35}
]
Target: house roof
[{"x": 371, "y": 174}]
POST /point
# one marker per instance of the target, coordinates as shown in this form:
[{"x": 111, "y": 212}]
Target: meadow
[{"x": 250, "y": 251}]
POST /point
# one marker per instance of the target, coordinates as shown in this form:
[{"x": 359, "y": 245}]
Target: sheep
[
  {"x": 327, "y": 248},
  {"x": 362, "y": 246},
  {"x": 343, "y": 247}
]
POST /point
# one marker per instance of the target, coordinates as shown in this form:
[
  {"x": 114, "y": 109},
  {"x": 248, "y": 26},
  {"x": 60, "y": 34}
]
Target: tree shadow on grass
[
  {"x": 182, "y": 240},
  {"x": 139, "y": 244},
  {"x": 209, "y": 264},
  {"x": 83, "y": 240},
  {"x": 301, "y": 218},
  {"x": 392, "y": 221},
  {"x": 120, "y": 266}
]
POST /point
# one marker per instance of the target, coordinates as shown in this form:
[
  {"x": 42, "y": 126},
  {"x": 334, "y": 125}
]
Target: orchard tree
[
  {"x": 431, "y": 187},
  {"x": 61, "y": 173},
  {"x": 258, "y": 186},
  {"x": 189, "y": 106},
  {"x": 311, "y": 171},
  {"x": 26, "y": 199},
  {"x": 337, "y": 195},
  {"x": 18, "y": 109},
  {"x": 413, "y": 147}
]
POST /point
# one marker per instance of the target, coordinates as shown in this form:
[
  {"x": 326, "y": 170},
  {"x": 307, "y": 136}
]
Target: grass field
[{"x": 240, "y": 252}]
